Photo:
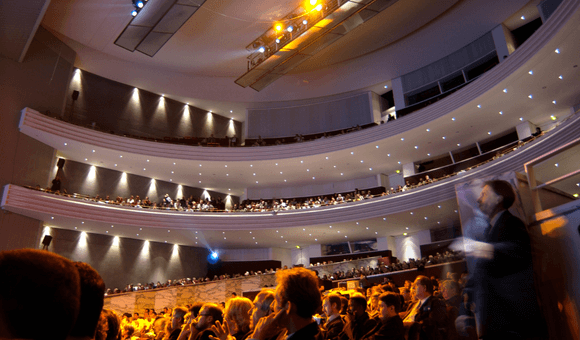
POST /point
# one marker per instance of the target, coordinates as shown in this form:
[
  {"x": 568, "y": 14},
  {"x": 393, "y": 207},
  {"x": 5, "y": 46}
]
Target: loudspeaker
[
  {"x": 75, "y": 95},
  {"x": 60, "y": 163},
  {"x": 46, "y": 240}
]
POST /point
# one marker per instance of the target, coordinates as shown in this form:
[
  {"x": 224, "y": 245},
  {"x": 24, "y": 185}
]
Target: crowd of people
[
  {"x": 362, "y": 273},
  {"x": 217, "y": 204},
  {"x": 70, "y": 296}
]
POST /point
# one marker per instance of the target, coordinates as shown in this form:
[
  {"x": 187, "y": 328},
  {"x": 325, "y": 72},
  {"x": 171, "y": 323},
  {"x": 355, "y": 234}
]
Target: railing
[{"x": 529, "y": 168}]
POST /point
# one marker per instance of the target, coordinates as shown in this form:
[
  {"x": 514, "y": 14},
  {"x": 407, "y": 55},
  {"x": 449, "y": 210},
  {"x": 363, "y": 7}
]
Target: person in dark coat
[
  {"x": 391, "y": 326},
  {"x": 505, "y": 298}
]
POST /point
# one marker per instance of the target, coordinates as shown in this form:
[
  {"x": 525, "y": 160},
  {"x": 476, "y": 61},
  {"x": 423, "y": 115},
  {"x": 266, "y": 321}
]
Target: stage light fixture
[
  {"x": 278, "y": 27},
  {"x": 261, "y": 49},
  {"x": 134, "y": 13},
  {"x": 290, "y": 29}
]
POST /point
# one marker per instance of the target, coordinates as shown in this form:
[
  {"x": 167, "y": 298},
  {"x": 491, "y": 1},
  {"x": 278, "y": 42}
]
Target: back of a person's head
[
  {"x": 391, "y": 299},
  {"x": 238, "y": 309},
  {"x": 109, "y": 327},
  {"x": 215, "y": 311},
  {"x": 300, "y": 287},
  {"x": 334, "y": 298},
  {"x": 359, "y": 300},
  {"x": 268, "y": 297},
  {"x": 37, "y": 283},
  {"x": 92, "y": 299},
  {"x": 195, "y": 308}
]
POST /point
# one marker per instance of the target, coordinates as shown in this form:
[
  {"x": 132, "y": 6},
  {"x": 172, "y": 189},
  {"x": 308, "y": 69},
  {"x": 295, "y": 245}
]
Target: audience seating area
[{"x": 193, "y": 204}]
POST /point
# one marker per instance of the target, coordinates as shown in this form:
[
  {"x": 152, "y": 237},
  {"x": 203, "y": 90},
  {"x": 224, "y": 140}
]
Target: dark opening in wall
[{"x": 522, "y": 33}]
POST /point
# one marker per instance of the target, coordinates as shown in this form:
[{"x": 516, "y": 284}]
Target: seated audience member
[
  {"x": 297, "y": 300},
  {"x": 358, "y": 322},
  {"x": 428, "y": 314},
  {"x": 450, "y": 291},
  {"x": 109, "y": 326},
  {"x": 201, "y": 327},
  {"x": 334, "y": 323},
  {"x": 92, "y": 300},
  {"x": 391, "y": 326},
  {"x": 177, "y": 320},
  {"x": 158, "y": 327},
  {"x": 128, "y": 332},
  {"x": 237, "y": 316},
  {"x": 41, "y": 283},
  {"x": 262, "y": 306}
]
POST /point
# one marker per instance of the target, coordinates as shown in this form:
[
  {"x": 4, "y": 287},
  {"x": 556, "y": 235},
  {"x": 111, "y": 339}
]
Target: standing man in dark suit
[{"x": 506, "y": 303}]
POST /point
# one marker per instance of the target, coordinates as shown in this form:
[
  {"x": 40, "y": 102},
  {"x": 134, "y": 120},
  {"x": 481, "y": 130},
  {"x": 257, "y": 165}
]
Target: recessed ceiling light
[
  {"x": 443, "y": 137},
  {"x": 173, "y": 163},
  {"x": 200, "y": 173},
  {"x": 256, "y": 182},
  {"x": 315, "y": 239},
  {"x": 377, "y": 146},
  {"x": 147, "y": 161},
  {"x": 144, "y": 169},
  {"x": 86, "y": 159},
  {"x": 284, "y": 180},
  {"x": 231, "y": 111},
  {"x": 326, "y": 157},
  {"x": 199, "y": 181},
  {"x": 522, "y": 119},
  {"x": 313, "y": 177},
  {"x": 552, "y": 117},
  {"x": 112, "y": 226},
  {"x": 93, "y": 150},
  {"x": 65, "y": 144},
  {"x": 501, "y": 112},
  {"x": 106, "y": 231},
  {"x": 75, "y": 227},
  {"x": 386, "y": 86},
  {"x": 172, "y": 172},
  {"x": 428, "y": 154},
  {"x": 411, "y": 213},
  {"x": 479, "y": 106},
  {"x": 531, "y": 72},
  {"x": 341, "y": 174},
  {"x": 52, "y": 217},
  {"x": 384, "y": 218},
  {"x": 458, "y": 144},
  {"x": 407, "y": 228},
  {"x": 276, "y": 163},
  {"x": 554, "y": 102},
  {"x": 489, "y": 132},
  {"x": 335, "y": 166},
  {"x": 560, "y": 77},
  {"x": 428, "y": 130},
  {"x": 307, "y": 170},
  {"x": 361, "y": 161},
  {"x": 416, "y": 146},
  {"x": 556, "y": 165},
  {"x": 404, "y": 234},
  {"x": 226, "y": 165},
  {"x": 557, "y": 50},
  {"x": 402, "y": 138},
  {"x": 120, "y": 156},
  {"x": 523, "y": 17},
  {"x": 254, "y": 174},
  {"x": 425, "y": 217},
  {"x": 227, "y": 174},
  {"x": 371, "y": 169},
  {"x": 504, "y": 90},
  {"x": 352, "y": 153},
  {"x": 388, "y": 155},
  {"x": 399, "y": 163},
  {"x": 300, "y": 162},
  {"x": 453, "y": 119},
  {"x": 530, "y": 96}
]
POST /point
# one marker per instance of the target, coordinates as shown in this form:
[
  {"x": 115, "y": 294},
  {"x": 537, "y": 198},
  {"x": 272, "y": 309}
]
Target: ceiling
[{"x": 200, "y": 62}]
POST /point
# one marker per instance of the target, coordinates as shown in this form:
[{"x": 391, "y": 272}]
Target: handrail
[{"x": 529, "y": 168}]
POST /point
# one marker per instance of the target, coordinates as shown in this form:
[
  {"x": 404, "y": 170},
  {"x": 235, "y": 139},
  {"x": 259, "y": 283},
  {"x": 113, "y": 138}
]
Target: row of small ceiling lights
[{"x": 277, "y": 231}]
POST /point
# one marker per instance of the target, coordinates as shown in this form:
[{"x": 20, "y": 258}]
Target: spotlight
[
  {"x": 261, "y": 49},
  {"x": 277, "y": 40},
  {"x": 313, "y": 2},
  {"x": 290, "y": 29},
  {"x": 214, "y": 255},
  {"x": 304, "y": 22},
  {"x": 134, "y": 13},
  {"x": 278, "y": 27},
  {"x": 139, "y": 4},
  {"x": 318, "y": 7}
]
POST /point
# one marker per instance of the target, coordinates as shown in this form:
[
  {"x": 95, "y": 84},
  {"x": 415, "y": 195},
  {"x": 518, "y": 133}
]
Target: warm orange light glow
[
  {"x": 278, "y": 27},
  {"x": 313, "y": 2}
]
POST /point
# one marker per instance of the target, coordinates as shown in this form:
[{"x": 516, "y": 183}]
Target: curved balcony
[
  {"x": 33, "y": 123},
  {"x": 18, "y": 199}
]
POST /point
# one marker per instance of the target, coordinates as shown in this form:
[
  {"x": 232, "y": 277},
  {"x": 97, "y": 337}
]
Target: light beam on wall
[
  {"x": 152, "y": 191},
  {"x": 179, "y": 191},
  {"x": 80, "y": 253}
]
